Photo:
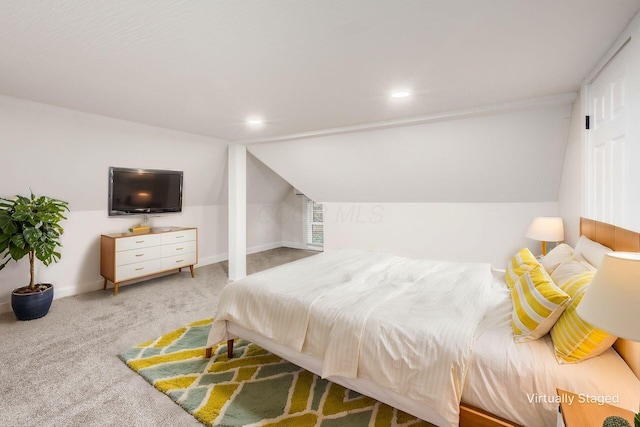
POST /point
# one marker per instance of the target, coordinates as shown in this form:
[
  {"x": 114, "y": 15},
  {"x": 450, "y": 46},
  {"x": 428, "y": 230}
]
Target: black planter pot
[{"x": 31, "y": 306}]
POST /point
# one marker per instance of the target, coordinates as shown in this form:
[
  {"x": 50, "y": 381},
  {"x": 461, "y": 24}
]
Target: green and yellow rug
[{"x": 254, "y": 388}]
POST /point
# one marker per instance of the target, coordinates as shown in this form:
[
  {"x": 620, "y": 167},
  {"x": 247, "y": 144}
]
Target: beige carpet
[{"x": 62, "y": 370}]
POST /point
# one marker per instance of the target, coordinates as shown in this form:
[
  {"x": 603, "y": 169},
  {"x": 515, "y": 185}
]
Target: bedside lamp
[
  {"x": 546, "y": 229},
  {"x": 612, "y": 299}
]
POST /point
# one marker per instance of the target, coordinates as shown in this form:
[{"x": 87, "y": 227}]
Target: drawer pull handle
[
  {"x": 139, "y": 241},
  {"x": 180, "y": 260},
  {"x": 179, "y": 249},
  {"x": 139, "y": 254},
  {"x": 139, "y": 268}
]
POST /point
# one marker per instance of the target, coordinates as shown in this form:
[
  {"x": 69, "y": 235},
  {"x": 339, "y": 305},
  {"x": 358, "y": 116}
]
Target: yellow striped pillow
[
  {"x": 574, "y": 339},
  {"x": 537, "y": 304},
  {"x": 521, "y": 262}
]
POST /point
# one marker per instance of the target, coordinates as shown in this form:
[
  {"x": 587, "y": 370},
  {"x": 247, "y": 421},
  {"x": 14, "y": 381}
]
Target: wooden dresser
[{"x": 128, "y": 256}]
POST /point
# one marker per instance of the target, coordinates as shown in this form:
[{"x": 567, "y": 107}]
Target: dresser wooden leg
[
  {"x": 104, "y": 286},
  {"x": 207, "y": 352},
  {"x": 193, "y": 275},
  {"x": 115, "y": 289}
]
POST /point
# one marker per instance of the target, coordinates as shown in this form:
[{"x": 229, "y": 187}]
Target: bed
[{"x": 383, "y": 326}]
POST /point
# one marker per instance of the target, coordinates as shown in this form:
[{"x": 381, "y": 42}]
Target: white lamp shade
[
  {"x": 546, "y": 229},
  {"x": 612, "y": 300}
]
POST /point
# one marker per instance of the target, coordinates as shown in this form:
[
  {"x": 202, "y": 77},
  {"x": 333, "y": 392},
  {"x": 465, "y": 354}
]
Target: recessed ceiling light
[
  {"x": 401, "y": 94},
  {"x": 255, "y": 121}
]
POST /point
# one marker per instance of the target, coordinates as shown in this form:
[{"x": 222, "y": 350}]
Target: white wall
[
  {"x": 66, "y": 154},
  {"x": 293, "y": 221},
  {"x": 463, "y": 189},
  {"x": 472, "y": 232},
  {"x": 571, "y": 193},
  {"x": 501, "y": 156},
  {"x": 271, "y": 211}
]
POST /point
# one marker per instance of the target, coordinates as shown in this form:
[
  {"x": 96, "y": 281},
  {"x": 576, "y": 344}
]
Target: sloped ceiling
[
  {"x": 508, "y": 156},
  {"x": 203, "y": 66},
  {"x": 311, "y": 68},
  {"x": 263, "y": 185}
]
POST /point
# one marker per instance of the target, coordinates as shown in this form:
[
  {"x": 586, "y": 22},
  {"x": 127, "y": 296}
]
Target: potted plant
[
  {"x": 31, "y": 226},
  {"x": 615, "y": 421}
]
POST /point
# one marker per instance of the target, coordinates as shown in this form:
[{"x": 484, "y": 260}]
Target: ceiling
[{"x": 203, "y": 66}]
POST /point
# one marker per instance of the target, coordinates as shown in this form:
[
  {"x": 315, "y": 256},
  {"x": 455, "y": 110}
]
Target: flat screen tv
[{"x": 144, "y": 191}]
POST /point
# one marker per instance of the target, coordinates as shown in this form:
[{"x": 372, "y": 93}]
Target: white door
[{"x": 607, "y": 163}]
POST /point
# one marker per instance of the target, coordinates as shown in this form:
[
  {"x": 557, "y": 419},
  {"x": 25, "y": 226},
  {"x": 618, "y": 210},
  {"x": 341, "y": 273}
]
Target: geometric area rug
[{"x": 254, "y": 388}]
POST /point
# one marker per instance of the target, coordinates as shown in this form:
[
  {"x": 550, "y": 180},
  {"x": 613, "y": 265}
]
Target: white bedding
[
  {"x": 513, "y": 380},
  {"x": 503, "y": 378},
  {"x": 398, "y": 322}
]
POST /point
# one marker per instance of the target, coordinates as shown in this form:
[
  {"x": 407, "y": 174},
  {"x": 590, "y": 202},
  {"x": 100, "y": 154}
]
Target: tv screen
[{"x": 144, "y": 191}]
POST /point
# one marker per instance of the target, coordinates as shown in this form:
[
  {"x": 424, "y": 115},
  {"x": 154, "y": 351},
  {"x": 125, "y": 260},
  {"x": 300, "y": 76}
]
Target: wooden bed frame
[
  {"x": 621, "y": 240},
  {"x": 611, "y": 236}
]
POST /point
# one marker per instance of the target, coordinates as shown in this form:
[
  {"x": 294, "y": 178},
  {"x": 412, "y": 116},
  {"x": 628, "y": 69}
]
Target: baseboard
[
  {"x": 5, "y": 307},
  {"x": 63, "y": 291},
  {"x": 252, "y": 250},
  {"x": 211, "y": 260},
  {"x": 294, "y": 245},
  {"x": 262, "y": 248},
  {"x": 67, "y": 291}
]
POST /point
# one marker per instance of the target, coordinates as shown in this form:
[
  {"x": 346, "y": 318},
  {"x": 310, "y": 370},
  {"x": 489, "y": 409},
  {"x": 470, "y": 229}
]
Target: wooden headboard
[{"x": 617, "y": 239}]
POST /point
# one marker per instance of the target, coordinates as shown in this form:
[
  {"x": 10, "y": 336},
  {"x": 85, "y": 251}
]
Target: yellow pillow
[
  {"x": 537, "y": 304},
  {"x": 521, "y": 262},
  {"x": 574, "y": 339}
]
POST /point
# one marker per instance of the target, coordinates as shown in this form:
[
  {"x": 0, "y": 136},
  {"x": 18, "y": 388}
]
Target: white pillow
[
  {"x": 592, "y": 251},
  {"x": 570, "y": 268},
  {"x": 556, "y": 256}
]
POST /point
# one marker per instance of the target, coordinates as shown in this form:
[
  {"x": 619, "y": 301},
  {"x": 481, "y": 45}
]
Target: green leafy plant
[
  {"x": 636, "y": 420},
  {"x": 31, "y": 226},
  {"x": 615, "y": 421}
]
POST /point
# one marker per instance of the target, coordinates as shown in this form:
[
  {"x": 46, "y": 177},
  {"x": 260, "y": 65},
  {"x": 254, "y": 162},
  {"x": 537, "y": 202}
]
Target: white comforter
[{"x": 408, "y": 325}]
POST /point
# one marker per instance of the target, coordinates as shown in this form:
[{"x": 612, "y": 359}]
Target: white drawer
[
  {"x": 136, "y": 242},
  {"x": 130, "y": 271},
  {"x": 178, "y": 248},
  {"x": 138, "y": 255},
  {"x": 178, "y": 236},
  {"x": 178, "y": 261}
]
